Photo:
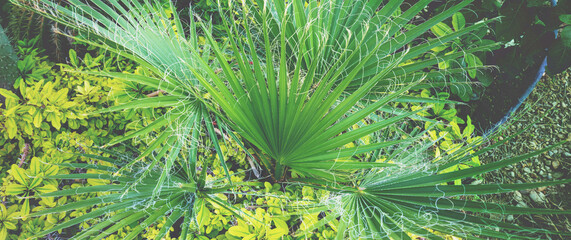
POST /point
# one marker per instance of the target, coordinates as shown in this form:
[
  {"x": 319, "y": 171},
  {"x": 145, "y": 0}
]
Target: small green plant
[
  {"x": 7, "y": 220},
  {"x": 469, "y": 61},
  {"x": 30, "y": 182}
]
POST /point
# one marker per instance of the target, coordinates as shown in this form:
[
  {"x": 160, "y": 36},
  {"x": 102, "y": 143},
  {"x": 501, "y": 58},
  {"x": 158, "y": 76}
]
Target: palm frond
[
  {"x": 130, "y": 198},
  {"x": 295, "y": 104},
  {"x": 153, "y": 36},
  {"x": 414, "y": 200}
]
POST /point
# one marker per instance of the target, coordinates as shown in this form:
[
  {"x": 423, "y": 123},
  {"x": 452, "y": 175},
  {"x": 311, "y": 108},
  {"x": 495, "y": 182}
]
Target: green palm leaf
[
  {"x": 414, "y": 200},
  {"x": 130, "y": 198},
  {"x": 154, "y": 38},
  {"x": 359, "y": 26},
  {"x": 295, "y": 104},
  {"x": 293, "y": 80}
]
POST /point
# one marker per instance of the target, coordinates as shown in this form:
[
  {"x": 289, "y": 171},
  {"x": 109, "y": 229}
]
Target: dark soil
[{"x": 509, "y": 83}]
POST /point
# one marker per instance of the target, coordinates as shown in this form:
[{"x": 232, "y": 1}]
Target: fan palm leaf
[
  {"x": 414, "y": 200},
  {"x": 133, "y": 196},
  {"x": 337, "y": 25},
  {"x": 298, "y": 79},
  {"x": 153, "y": 36}
]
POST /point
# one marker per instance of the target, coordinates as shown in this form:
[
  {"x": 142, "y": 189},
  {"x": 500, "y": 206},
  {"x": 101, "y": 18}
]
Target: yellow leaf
[
  {"x": 28, "y": 129},
  {"x": 36, "y": 181},
  {"x": 56, "y": 121},
  {"x": 60, "y": 95},
  {"x": 432, "y": 135},
  {"x": 69, "y": 104},
  {"x": 11, "y": 111},
  {"x": 38, "y": 119},
  {"x": 281, "y": 224},
  {"x": 12, "y": 128},
  {"x": 251, "y": 237},
  {"x": 35, "y": 166},
  {"x": 50, "y": 170},
  {"x": 3, "y": 211},
  {"x": 47, "y": 188},
  {"x": 62, "y": 200},
  {"x": 8, "y": 94},
  {"x": 280, "y": 230},
  {"x": 4, "y": 233},
  {"x": 9, "y": 225},
  {"x": 97, "y": 182},
  {"x": 15, "y": 189},
  {"x": 202, "y": 213},
  {"x": 25, "y": 209},
  {"x": 19, "y": 174},
  {"x": 239, "y": 231},
  {"x": 443, "y": 64}
]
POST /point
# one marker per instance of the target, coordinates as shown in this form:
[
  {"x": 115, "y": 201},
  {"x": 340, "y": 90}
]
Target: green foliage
[
  {"x": 8, "y": 60},
  {"x": 24, "y": 24},
  {"x": 8, "y": 220},
  {"x": 447, "y": 134},
  {"x": 529, "y": 25},
  {"x": 470, "y": 62},
  {"x": 46, "y": 103},
  {"x": 308, "y": 90},
  {"x": 45, "y": 121},
  {"x": 30, "y": 182},
  {"x": 451, "y": 49},
  {"x": 135, "y": 187},
  {"x": 284, "y": 107}
]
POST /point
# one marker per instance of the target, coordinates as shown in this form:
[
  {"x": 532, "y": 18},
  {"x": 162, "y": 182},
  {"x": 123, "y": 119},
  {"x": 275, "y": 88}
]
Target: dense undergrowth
[
  {"x": 48, "y": 121},
  {"x": 154, "y": 140}
]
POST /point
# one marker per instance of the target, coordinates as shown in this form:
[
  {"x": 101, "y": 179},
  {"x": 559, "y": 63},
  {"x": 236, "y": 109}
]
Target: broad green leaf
[
  {"x": 73, "y": 58},
  {"x": 3, "y": 233},
  {"x": 202, "y": 213},
  {"x": 240, "y": 230},
  {"x": 565, "y": 18},
  {"x": 47, "y": 188},
  {"x": 38, "y": 119},
  {"x": 472, "y": 62},
  {"x": 458, "y": 21},
  {"x": 25, "y": 209},
  {"x": 441, "y": 29},
  {"x": 35, "y": 181}
]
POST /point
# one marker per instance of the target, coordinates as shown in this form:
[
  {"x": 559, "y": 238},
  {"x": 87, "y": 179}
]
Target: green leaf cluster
[
  {"x": 528, "y": 28},
  {"x": 46, "y": 120},
  {"x": 308, "y": 90}
]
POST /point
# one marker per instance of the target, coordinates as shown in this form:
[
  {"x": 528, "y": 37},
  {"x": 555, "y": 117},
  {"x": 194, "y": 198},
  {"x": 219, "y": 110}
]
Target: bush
[{"x": 304, "y": 89}]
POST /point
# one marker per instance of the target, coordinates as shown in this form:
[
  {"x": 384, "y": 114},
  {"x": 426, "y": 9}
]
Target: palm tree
[{"x": 287, "y": 80}]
